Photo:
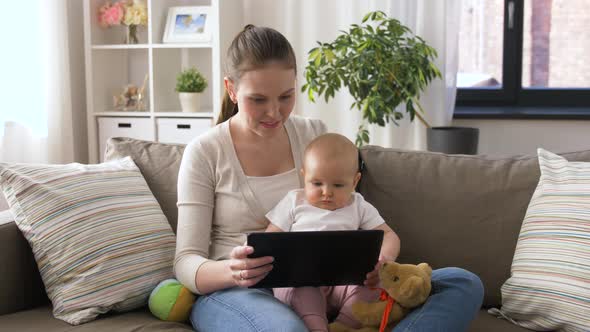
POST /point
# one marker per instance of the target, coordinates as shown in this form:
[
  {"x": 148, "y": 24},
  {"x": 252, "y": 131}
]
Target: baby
[{"x": 328, "y": 202}]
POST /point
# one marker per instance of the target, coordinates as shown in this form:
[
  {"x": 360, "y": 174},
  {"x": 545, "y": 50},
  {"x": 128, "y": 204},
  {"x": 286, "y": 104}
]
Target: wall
[
  {"x": 507, "y": 137},
  {"x": 499, "y": 137}
]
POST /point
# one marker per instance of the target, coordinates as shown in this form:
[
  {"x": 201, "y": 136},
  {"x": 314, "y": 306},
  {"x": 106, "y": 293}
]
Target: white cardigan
[{"x": 216, "y": 205}]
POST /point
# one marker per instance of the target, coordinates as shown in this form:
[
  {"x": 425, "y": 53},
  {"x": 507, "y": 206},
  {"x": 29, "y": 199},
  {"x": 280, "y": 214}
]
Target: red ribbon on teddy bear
[{"x": 384, "y": 296}]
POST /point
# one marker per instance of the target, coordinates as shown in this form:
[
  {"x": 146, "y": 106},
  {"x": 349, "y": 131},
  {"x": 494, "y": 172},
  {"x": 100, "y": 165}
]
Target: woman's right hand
[{"x": 246, "y": 271}]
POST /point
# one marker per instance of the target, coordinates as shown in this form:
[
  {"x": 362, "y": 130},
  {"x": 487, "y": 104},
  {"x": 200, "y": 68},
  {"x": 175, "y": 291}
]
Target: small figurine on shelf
[
  {"x": 131, "y": 13},
  {"x": 132, "y": 98}
]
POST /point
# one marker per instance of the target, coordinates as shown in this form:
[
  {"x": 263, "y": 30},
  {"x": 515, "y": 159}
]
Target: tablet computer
[{"x": 323, "y": 258}]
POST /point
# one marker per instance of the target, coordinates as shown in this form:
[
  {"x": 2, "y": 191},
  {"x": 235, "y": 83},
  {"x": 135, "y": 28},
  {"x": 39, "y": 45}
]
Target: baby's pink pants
[{"x": 315, "y": 304}]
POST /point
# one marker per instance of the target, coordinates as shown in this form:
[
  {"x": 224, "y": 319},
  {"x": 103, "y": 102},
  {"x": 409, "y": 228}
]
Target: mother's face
[{"x": 265, "y": 97}]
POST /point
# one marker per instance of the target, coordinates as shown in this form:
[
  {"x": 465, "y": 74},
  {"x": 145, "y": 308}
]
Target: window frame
[{"x": 512, "y": 98}]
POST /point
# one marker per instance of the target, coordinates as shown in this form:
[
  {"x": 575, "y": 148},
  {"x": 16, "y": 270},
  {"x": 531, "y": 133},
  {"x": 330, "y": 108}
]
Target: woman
[{"x": 234, "y": 174}]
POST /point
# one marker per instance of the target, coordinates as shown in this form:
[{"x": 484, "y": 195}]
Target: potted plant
[
  {"x": 189, "y": 85},
  {"x": 381, "y": 63}
]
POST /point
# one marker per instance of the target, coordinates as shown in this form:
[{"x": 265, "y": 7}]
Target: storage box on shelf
[
  {"x": 111, "y": 65},
  {"x": 173, "y": 130},
  {"x": 140, "y": 128}
]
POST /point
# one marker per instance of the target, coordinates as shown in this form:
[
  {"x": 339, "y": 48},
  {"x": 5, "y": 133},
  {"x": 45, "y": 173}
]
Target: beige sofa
[{"x": 449, "y": 210}]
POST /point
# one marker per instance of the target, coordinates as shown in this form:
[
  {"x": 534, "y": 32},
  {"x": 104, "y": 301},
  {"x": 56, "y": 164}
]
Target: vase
[{"x": 131, "y": 37}]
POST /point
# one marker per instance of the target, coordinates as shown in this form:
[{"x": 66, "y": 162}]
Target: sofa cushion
[
  {"x": 549, "y": 283},
  {"x": 6, "y": 217},
  {"x": 485, "y": 322},
  {"x": 3, "y": 203},
  {"x": 454, "y": 210},
  {"x": 40, "y": 319},
  {"x": 158, "y": 162},
  {"x": 98, "y": 235}
]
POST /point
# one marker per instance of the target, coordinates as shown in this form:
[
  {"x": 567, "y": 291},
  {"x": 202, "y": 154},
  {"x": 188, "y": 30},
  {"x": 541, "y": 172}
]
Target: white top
[
  {"x": 216, "y": 204},
  {"x": 294, "y": 213},
  {"x": 268, "y": 188}
]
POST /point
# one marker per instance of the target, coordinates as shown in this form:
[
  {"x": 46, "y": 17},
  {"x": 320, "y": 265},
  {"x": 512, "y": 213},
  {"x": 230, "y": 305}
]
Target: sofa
[{"x": 449, "y": 210}]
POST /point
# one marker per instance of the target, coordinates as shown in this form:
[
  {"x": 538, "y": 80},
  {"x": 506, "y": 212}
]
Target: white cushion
[
  {"x": 98, "y": 235},
  {"x": 6, "y": 217},
  {"x": 549, "y": 287}
]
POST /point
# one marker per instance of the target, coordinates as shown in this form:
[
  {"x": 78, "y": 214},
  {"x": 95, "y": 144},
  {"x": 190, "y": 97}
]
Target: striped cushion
[
  {"x": 549, "y": 287},
  {"x": 98, "y": 235}
]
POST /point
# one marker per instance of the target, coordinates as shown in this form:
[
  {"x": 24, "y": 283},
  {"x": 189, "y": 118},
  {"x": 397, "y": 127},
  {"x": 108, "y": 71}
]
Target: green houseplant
[
  {"x": 381, "y": 63},
  {"x": 189, "y": 85}
]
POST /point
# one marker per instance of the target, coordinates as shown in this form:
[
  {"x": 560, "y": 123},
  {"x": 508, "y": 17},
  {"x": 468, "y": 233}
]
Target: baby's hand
[{"x": 373, "y": 276}]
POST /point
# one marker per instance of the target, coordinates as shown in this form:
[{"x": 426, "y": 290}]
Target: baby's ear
[{"x": 357, "y": 177}]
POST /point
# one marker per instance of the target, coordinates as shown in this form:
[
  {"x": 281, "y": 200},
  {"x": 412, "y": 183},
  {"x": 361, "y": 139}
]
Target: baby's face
[{"x": 329, "y": 184}]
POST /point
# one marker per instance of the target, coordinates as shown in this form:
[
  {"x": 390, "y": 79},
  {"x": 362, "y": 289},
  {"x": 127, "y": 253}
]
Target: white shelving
[
  {"x": 120, "y": 47},
  {"x": 111, "y": 65},
  {"x": 181, "y": 46},
  {"x": 184, "y": 115}
]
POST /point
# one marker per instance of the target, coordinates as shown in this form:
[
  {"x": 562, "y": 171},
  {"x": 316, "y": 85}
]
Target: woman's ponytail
[{"x": 228, "y": 108}]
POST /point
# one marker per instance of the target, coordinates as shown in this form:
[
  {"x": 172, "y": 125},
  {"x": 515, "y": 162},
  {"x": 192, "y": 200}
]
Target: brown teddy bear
[{"x": 408, "y": 285}]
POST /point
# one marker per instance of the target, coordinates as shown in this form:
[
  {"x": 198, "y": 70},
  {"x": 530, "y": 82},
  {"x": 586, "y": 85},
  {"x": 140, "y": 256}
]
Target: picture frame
[{"x": 190, "y": 24}]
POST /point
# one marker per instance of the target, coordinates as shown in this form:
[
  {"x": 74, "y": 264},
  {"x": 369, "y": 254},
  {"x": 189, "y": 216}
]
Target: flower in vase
[
  {"x": 135, "y": 13},
  {"x": 110, "y": 14}
]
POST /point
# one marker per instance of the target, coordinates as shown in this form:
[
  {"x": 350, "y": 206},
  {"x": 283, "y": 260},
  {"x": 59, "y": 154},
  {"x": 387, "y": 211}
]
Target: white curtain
[
  {"x": 304, "y": 22},
  {"x": 36, "y": 115}
]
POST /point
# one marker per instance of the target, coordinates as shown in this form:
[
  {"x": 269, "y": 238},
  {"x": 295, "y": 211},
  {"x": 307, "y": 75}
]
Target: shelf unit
[{"x": 111, "y": 65}]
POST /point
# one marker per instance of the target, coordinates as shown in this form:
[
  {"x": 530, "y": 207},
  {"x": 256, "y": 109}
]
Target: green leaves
[
  {"x": 380, "y": 62},
  {"x": 374, "y": 16},
  {"x": 190, "y": 80},
  {"x": 329, "y": 55},
  {"x": 362, "y": 136}
]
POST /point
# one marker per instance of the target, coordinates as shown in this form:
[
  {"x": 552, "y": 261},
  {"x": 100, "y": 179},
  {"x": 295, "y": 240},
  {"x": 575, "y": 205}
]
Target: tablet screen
[{"x": 324, "y": 258}]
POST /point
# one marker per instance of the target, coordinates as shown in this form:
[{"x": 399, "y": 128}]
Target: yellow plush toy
[{"x": 407, "y": 285}]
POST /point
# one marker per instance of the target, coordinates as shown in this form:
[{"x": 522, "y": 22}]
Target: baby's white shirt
[{"x": 294, "y": 213}]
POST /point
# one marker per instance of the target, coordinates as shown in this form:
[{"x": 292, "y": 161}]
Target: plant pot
[
  {"x": 453, "y": 140},
  {"x": 190, "y": 101}
]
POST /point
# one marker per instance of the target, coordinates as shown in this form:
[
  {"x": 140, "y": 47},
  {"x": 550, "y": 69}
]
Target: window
[
  {"x": 21, "y": 65},
  {"x": 524, "y": 53}
]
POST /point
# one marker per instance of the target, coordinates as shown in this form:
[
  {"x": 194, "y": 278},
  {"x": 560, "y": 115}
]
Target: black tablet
[{"x": 326, "y": 258}]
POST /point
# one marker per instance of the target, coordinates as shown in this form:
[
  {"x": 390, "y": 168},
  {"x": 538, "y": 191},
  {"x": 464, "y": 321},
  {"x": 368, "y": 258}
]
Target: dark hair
[{"x": 253, "y": 48}]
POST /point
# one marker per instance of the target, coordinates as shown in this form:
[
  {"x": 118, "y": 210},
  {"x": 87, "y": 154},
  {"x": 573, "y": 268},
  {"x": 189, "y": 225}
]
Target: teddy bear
[{"x": 409, "y": 286}]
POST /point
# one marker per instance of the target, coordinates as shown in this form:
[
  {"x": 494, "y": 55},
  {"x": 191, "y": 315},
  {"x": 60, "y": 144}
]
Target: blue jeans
[{"x": 455, "y": 300}]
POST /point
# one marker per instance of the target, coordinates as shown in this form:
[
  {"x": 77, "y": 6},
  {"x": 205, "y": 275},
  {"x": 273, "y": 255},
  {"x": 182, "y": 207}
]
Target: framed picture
[{"x": 188, "y": 25}]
